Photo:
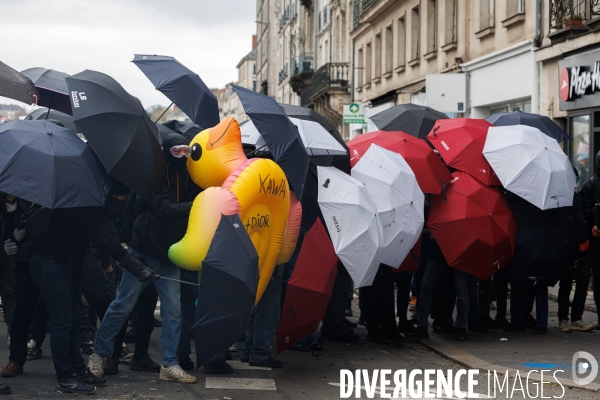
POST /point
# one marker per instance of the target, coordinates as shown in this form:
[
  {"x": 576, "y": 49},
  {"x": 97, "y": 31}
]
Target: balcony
[
  {"x": 283, "y": 74},
  {"x": 301, "y": 71},
  {"x": 331, "y": 75},
  {"x": 324, "y": 19},
  {"x": 359, "y": 7}
]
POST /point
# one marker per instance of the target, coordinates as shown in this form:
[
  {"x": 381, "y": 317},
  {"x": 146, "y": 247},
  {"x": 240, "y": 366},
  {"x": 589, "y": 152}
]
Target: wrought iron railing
[
  {"x": 594, "y": 8},
  {"x": 565, "y": 13},
  {"x": 304, "y": 64},
  {"x": 358, "y": 8},
  {"x": 368, "y": 4},
  {"x": 331, "y": 75}
]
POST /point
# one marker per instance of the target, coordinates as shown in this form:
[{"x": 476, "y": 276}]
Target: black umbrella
[
  {"x": 227, "y": 290},
  {"x": 182, "y": 86},
  {"x": 52, "y": 88},
  {"x": 48, "y": 165},
  {"x": 409, "y": 118},
  {"x": 280, "y": 134},
  {"x": 543, "y": 123},
  {"x": 17, "y": 86},
  {"x": 186, "y": 128},
  {"x": 45, "y": 113},
  {"x": 119, "y": 130},
  {"x": 546, "y": 244}
]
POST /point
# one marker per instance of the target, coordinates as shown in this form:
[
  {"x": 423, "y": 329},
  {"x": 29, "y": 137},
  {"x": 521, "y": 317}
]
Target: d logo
[{"x": 580, "y": 368}]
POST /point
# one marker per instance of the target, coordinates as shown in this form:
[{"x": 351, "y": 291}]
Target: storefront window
[{"x": 580, "y": 131}]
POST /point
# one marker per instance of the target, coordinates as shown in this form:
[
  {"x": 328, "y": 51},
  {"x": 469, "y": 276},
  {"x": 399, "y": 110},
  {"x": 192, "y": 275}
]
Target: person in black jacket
[
  {"x": 56, "y": 269},
  {"x": 9, "y": 237},
  {"x": 590, "y": 195},
  {"x": 163, "y": 223}
]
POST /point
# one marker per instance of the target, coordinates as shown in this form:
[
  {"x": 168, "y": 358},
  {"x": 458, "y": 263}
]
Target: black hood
[{"x": 171, "y": 140}]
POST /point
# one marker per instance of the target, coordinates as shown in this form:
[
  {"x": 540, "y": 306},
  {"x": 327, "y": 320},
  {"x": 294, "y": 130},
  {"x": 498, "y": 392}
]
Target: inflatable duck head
[{"x": 213, "y": 154}]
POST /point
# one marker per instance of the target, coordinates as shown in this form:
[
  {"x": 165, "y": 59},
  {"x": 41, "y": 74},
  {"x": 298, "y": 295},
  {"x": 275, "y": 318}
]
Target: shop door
[{"x": 580, "y": 129}]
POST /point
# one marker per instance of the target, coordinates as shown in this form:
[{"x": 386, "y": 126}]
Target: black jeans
[
  {"x": 377, "y": 302},
  {"x": 29, "y": 308},
  {"x": 333, "y": 320},
  {"x": 189, "y": 295},
  {"x": 501, "y": 283},
  {"x": 403, "y": 281},
  {"x": 7, "y": 288},
  {"x": 581, "y": 274},
  {"x": 62, "y": 293}
]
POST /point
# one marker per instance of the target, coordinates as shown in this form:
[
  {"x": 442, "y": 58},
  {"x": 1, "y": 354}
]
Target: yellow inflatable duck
[{"x": 256, "y": 189}]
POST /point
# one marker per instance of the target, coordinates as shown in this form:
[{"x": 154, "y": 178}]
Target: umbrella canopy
[
  {"x": 547, "y": 241},
  {"x": 52, "y": 88},
  {"x": 543, "y": 123},
  {"x": 429, "y": 170},
  {"x": 317, "y": 140},
  {"x": 182, "y": 86},
  {"x": 309, "y": 288},
  {"x": 460, "y": 143},
  {"x": 186, "y": 128},
  {"x": 119, "y": 130},
  {"x": 48, "y": 165},
  {"x": 475, "y": 228},
  {"x": 400, "y": 203},
  {"x": 411, "y": 262},
  {"x": 228, "y": 283},
  {"x": 531, "y": 165},
  {"x": 251, "y": 136},
  {"x": 46, "y": 113},
  {"x": 17, "y": 86},
  {"x": 279, "y": 133},
  {"x": 308, "y": 114},
  {"x": 410, "y": 118},
  {"x": 353, "y": 224}
]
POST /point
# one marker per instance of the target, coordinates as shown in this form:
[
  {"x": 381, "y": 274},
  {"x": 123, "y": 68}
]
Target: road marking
[
  {"x": 240, "y": 365},
  {"x": 240, "y": 383}
]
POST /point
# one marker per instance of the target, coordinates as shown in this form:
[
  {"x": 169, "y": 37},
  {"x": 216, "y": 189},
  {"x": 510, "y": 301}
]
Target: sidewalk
[{"x": 501, "y": 351}]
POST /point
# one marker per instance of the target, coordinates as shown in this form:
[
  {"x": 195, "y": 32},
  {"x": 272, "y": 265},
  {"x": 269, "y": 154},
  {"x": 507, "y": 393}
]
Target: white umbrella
[
  {"x": 316, "y": 139},
  {"x": 353, "y": 224},
  {"x": 400, "y": 202},
  {"x": 531, "y": 164},
  {"x": 251, "y": 136}
]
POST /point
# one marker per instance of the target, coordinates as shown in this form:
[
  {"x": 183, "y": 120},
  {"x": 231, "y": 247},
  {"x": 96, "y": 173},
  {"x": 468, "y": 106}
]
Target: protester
[
  {"x": 10, "y": 235},
  {"x": 163, "y": 223}
]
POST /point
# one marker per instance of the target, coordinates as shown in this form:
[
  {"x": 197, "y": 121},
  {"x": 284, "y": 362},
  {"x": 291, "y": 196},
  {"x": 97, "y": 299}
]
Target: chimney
[{"x": 253, "y": 42}]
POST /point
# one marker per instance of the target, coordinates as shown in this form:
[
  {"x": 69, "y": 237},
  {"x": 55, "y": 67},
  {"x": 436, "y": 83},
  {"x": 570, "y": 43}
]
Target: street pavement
[{"x": 317, "y": 376}]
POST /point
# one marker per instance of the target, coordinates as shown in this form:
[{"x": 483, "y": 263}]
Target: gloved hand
[
  {"x": 595, "y": 231},
  {"x": 584, "y": 246},
  {"x": 10, "y": 247},
  {"x": 19, "y": 234},
  {"x": 137, "y": 268}
]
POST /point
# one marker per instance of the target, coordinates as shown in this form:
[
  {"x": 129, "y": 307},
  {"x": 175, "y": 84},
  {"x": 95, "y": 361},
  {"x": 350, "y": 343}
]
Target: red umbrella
[
  {"x": 309, "y": 288},
  {"x": 475, "y": 228},
  {"x": 460, "y": 142},
  {"x": 429, "y": 170}
]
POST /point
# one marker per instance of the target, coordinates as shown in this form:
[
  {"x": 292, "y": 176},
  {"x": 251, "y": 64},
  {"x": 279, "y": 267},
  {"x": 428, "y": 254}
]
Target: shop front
[{"x": 579, "y": 96}]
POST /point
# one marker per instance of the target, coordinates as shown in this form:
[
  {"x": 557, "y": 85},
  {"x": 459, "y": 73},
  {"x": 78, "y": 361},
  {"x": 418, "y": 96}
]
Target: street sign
[{"x": 354, "y": 114}]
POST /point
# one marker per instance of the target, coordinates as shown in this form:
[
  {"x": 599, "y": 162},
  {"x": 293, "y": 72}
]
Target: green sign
[{"x": 354, "y": 114}]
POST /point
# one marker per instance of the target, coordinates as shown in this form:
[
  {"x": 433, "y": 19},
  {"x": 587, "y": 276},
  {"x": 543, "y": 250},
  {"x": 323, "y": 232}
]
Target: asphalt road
[{"x": 305, "y": 375}]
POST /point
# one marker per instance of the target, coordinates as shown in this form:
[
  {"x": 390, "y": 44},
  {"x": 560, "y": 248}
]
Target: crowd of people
[{"x": 92, "y": 272}]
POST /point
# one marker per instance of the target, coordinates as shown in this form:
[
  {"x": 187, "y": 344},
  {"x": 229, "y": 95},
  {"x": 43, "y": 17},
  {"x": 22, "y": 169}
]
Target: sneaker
[
  {"x": 442, "y": 327},
  {"x": 174, "y": 373},
  {"x": 540, "y": 331},
  {"x": 93, "y": 380},
  {"x": 111, "y": 366},
  {"x": 4, "y": 389},
  {"x": 461, "y": 335},
  {"x": 581, "y": 326},
  {"x": 146, "y": 364},
  {"x": 11, "y": 370},
  {"x": 269, "y": 363},
  {"x": 33, "y": 354},
  {"x": 96, "y": 365},
  {"x": 72, "y": 385},
  {"x": 126, "y": 355},
  {"x": 418, "y": 334},
  {"x": 563, "y": 326}
]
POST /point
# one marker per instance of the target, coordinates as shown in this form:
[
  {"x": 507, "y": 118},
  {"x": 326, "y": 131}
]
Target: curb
[{"x": 469, "y": 361}]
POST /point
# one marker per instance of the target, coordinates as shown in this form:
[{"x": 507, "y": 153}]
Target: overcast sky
[{"x": 207, "y": 36}]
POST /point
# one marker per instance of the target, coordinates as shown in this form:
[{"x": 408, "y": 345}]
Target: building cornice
[{"x": 525, "y": 46}]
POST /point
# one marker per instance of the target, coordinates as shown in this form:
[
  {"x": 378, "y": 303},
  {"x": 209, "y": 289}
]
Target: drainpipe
[
  {"x": 537, "y": 39},
  {"x": 353, "y": 74}
]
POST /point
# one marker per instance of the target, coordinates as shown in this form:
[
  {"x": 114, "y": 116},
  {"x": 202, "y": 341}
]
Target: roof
[{"x": 249, "y": 56}]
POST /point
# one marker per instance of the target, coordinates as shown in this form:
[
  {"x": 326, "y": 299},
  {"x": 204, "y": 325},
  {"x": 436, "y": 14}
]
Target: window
[
  {"x": 368, "y": 64},
  {"x": 361, "y": 68},
  {"x": 389, "y": 49},
  {"x": 580, "y": 132},
  {"x": 514, "y": 7},
  {"x": 378, "y": 55},
  {"x": 254, "y": 85},
  {"x": 431, "y": 25},
  {"x": 450, "y": 34},
  {"x": 415, "y": 28},
  {"x": 401, "y": 42},
  {"x": 486, "y": 14}
]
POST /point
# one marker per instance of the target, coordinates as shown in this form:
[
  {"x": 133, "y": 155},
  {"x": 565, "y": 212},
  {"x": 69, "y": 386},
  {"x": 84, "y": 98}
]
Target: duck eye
[{"x": 196, "y": 152}]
